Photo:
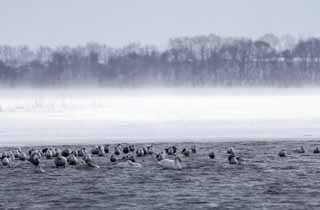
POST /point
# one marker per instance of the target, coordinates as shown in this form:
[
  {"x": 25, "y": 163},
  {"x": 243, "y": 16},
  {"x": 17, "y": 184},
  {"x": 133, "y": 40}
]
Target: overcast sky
[{"x": 117, "y": 22}]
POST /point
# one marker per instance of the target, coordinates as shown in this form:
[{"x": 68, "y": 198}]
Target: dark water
[{"x": 265, "y": 181}]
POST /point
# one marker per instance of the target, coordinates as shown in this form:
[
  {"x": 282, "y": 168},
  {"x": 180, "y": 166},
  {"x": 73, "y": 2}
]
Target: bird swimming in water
[
  {"x": 149, "y": 150},
  {"x": 230, "y": 151},
  {"x": 212, "y": 155},
  {"x": 131, "y": 148},
  {"x": 88, "y": 160},
  {"x": 316, "y": 150},
  {"x": 113, "y": 159},
  {"x": 23, "y": 156},
  {"x": 171, "y": 164},
  {"x": 60, "y": 161},
  {"x": 299, "y": 150},
  {"x": 232, "y": 159},
  {"x": 161, "y": 156},
  {"x": 117, "y": 150},
  {"x": 106, "y": 148},
  {"x": 126, "y": 150},
  {"x": 101, "y": 151},
  {"x": 95, "y": 151},
  {"x": 282, "y": 153},
  {"x": 185, "y": 152},
  {"x": 194, "y": 149},
  {"x": 35, "y": 160},
  {"x": 49, "y": 154},
  {"x": 72, "y": 160},
  {"x": 140, "y": 152},
  {"x": 5, "y": 161},
  {"x": 66, "y": 152}
]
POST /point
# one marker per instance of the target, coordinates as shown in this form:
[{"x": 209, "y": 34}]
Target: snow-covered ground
[{"x": 89, "y": 116}]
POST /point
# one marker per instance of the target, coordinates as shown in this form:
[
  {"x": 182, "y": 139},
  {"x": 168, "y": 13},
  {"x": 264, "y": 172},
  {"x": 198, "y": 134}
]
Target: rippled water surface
[{"x": 264, "y": 181}]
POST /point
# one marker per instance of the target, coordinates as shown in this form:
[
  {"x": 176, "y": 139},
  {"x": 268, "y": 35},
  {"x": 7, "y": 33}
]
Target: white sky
[{"x": 118, "y": 22}]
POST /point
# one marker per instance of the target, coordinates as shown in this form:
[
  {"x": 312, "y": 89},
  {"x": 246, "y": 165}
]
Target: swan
[
  {"x": 101, "y": 152},
  {"x": 140, "y": 152},
  {"x": 49, "y": 154},
  {"x": 5, "y": 161},
  {"x": 22, "y": 156},
  {"x": 171, "y": 164},
  {"x": 95, "y": 151},
  {"x": 117, "y": 151},
  {"x": 82, "y": 152},
  {"x": 129, "y": 163},
  {"x": 72, "y": 160},
  {"x": 113, "y": 159},
  {"x": 66, "y": 152},
  {"x": 88, "y": 160},
  {"x": 134, "y": 164},
  {"x": 299, "y": 150},
  {"x": 34, "y": 159},
  {"x": 131, "y": 148},
  {"x": 16, "y": 154},
  {"x": 230, "y": 151},
  {"x": 60, "y": 161},
  {"x": 57, "y": 152},
  {"x": 233, "y": 159},
  {"x": 106, "y": 148},
  {"x": 150, "y": 150}
]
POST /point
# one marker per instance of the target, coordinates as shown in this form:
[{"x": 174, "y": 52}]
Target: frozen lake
[{"x": 84, "y": 116}]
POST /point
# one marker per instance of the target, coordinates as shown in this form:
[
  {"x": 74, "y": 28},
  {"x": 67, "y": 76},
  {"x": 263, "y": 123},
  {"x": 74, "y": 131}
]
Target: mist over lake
[{"x": 79, "y": 115}]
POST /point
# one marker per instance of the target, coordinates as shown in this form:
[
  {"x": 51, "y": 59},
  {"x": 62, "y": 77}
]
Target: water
[
  {"x": 264, "y": 181},
  {"x": 33, "y": 116}
]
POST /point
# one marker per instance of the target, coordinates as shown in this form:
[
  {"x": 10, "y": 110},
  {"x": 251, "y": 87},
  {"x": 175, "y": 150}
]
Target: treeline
[{"x": 187, "y": 61}]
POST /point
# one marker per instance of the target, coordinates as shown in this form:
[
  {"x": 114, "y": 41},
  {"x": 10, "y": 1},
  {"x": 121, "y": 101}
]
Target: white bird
[
  {"x": 299, "y": 150},
  {"x": 129, "y": 163},
  {"x": 171, "y": 164},
  {"x": 134, "y": 164},
  {"x": 5, "y": 161}
]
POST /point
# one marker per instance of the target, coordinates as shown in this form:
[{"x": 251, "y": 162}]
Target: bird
[
  {"x": 88, "y": 160},
  {"x": 160, "y": 156},
  {"x": 72, "y": 160},
  {"x": 212, "y": 155},
  {"x": 66, "y": 152},
  {"x": 113, "y": 159},
  {"x": 171, "y": 164},
  {"x": 22, "y": 156},
  {"x": 299, "y": 150},
  {"x": 282, "y": 153},
  {"x": 117, "y": 150},
  {"x": 101, "y": 151},
  {"x": 126, "y": 150},
  {"x": 49, "y": 154},
  {"x": 193, "y": 149},
  {"x": 131, "y": 148},
  {"x": 60, "y": 161},
  {"x": 185, "y": 152},
  {"x": 106, "y": 148},
  {"x": 5, "y": 161}
]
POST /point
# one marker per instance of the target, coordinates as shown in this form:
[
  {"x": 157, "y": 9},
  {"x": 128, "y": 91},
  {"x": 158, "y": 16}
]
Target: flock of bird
[{"x": 121, "y": 154}]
